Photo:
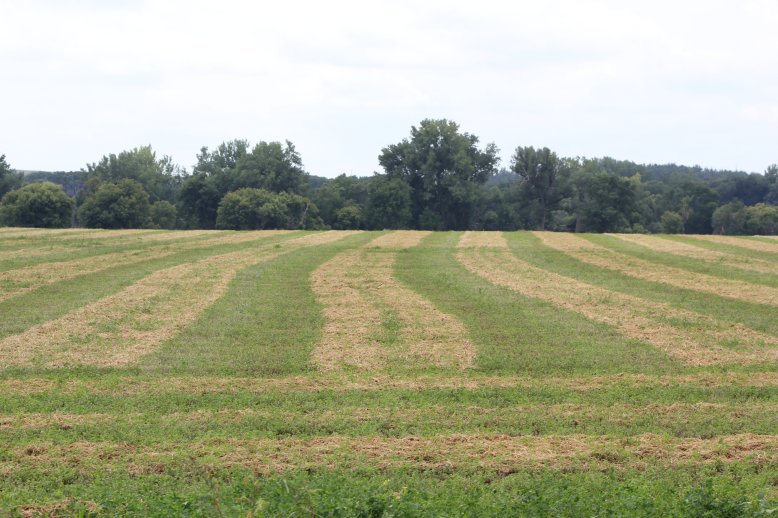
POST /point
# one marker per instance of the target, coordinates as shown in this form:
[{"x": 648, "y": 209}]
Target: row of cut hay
[
  {"x": 741, "y": 242},
  {"x": 26, "y": 237},
  {"x": 373, "y": 382},
  {"x": 670, "y": 246},
  {"x": 695, "y": 343},
  {"x": 21, "y": 280},
  {"x": 465, "y": 452},
  {"x": 355, "y": 288},
  {"x": 597, "y": 255},
  {"x": 21, "y": 232},
  {"x": 119, "y": 329},
  {"x": 34, "y": 247},
  {"x": 729, "y": 416}
]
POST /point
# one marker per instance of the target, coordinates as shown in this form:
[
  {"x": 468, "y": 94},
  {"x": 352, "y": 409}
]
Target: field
[{"x": 387, "y": 373}]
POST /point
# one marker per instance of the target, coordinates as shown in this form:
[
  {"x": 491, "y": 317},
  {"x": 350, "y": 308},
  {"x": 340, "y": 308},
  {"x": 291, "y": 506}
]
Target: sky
[{"x": 690, "y": 82}]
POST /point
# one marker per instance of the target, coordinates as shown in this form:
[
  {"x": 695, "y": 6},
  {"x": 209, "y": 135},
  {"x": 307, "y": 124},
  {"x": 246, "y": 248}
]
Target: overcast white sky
[{"x": 691, "y": 82}]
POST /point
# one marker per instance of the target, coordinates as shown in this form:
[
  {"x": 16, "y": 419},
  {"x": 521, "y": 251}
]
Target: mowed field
[{"x": 387, "y": 373}]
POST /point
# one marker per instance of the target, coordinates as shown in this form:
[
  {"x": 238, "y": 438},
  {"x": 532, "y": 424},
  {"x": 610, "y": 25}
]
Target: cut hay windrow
[
  {"x": 30, "y": 253},
  {"x": 120, "y": 329},
  {"x": 732, "y": 416},
  {"x": 16, "y": 232},
  {"x": 476, "y": 239},
  {"x": 740, "y": 242},
  {"x": 127, "y": 386},
  {"x": 466, "y": 452},
  {"x": 669, "y": 246},
  {"x": 597, "y": 255},
  {"x": 356, "y": 287},
  {"x": 21, "y": 280},
  {"x": 696, "y": 340}
]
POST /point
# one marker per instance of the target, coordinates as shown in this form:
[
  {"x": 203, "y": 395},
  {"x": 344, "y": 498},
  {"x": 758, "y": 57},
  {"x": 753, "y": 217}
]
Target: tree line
[{"x": 439, "y": 178}]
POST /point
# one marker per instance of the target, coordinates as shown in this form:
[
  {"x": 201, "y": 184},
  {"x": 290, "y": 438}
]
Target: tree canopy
[
  {"x": 42, "y": 204},
  {"x": 443, "y": 168},
  {"x": 439, "y": 177}
]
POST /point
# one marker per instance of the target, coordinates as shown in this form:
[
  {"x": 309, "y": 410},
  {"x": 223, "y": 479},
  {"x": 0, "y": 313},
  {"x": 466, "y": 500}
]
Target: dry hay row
[
  {"x": 696, "y": 343},
  {"x": 598, "y": 255},
  {"x": 234, "y": 385},
  {"x": 669, "y": 246},
  {"x": 355, "y": 287},
  {"x": 15, "y": 232},
  {"x": 22, "y": 280},
  {"x": 119, "y": 329},
  {"x": 501, "y": 453},
  {"x": 482, "y": 239},
  {"x": 740, "y": 242},
  {"x": 112, "y": 237},
  {"x": 35, "y": 252},
  {"x": 440, "y": 416}
]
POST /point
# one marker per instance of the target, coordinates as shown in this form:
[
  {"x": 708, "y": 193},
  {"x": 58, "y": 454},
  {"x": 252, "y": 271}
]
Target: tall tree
[
  {"x": 539, "y": 169},
  {"x": 9, "y": 179},
  {"x": 272, "y": 166},
  {"x": 444, "y": 170}
]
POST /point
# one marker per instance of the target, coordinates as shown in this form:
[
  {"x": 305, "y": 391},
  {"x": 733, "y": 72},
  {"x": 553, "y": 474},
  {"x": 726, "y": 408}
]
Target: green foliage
[
  {"x": 271, "y": 166},
  {"x": 605, "y": 202},
  {"x": 730, "y": 218},
  {"x": 158, "y": 177},
  {"x": 389, "y": 203},
  {"x": 539, "y": 170},
  {"x": 762, "y": 219},
  {"x": 37, "y": 205},
  {"x": 444, "y": 169},
  {"x": 198, "y": 200},
  {"x": 349, "y": 217},
  {"x": 672, "y": 223},
  {"x": 338, "y": 193},
  {"x": 9, "y": 179},
  {"x": 257, "y": 209},
  {"x": 123, "y": 204},
  {"x": 163, "y": 215},
  {"x": 72, "y": 182}
]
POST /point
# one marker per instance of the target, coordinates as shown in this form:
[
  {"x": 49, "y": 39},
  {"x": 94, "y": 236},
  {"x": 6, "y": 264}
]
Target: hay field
[{"x": 288, "y": 373}]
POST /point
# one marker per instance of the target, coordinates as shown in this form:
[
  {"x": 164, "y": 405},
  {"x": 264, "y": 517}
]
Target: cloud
[{"x": 689, "y": 82}]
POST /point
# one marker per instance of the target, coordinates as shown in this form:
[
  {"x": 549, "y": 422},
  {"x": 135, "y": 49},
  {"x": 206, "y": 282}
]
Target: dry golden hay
[
  {"x": 696, "y": 342},
  {"x": 28, "y": 253},
  {"x": 350, "y": 320},
  {"x": 439, "y": 415},
  {"x": 741, "y": 242},
  {"x": 25, "y": 279},
  {"x": 597, "y": 255},
  {"x": 119, "y": 329},
  {"x": 15, "y": 232},
  {"x": 482, "y": 239},
  {"x": 340, "y": 383},
  {"x": 356, "y": 287},
  {"x": 400, "y": 239},
  {"x": 669, "y": 246},
  {"x": 501, "y": 453}
]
